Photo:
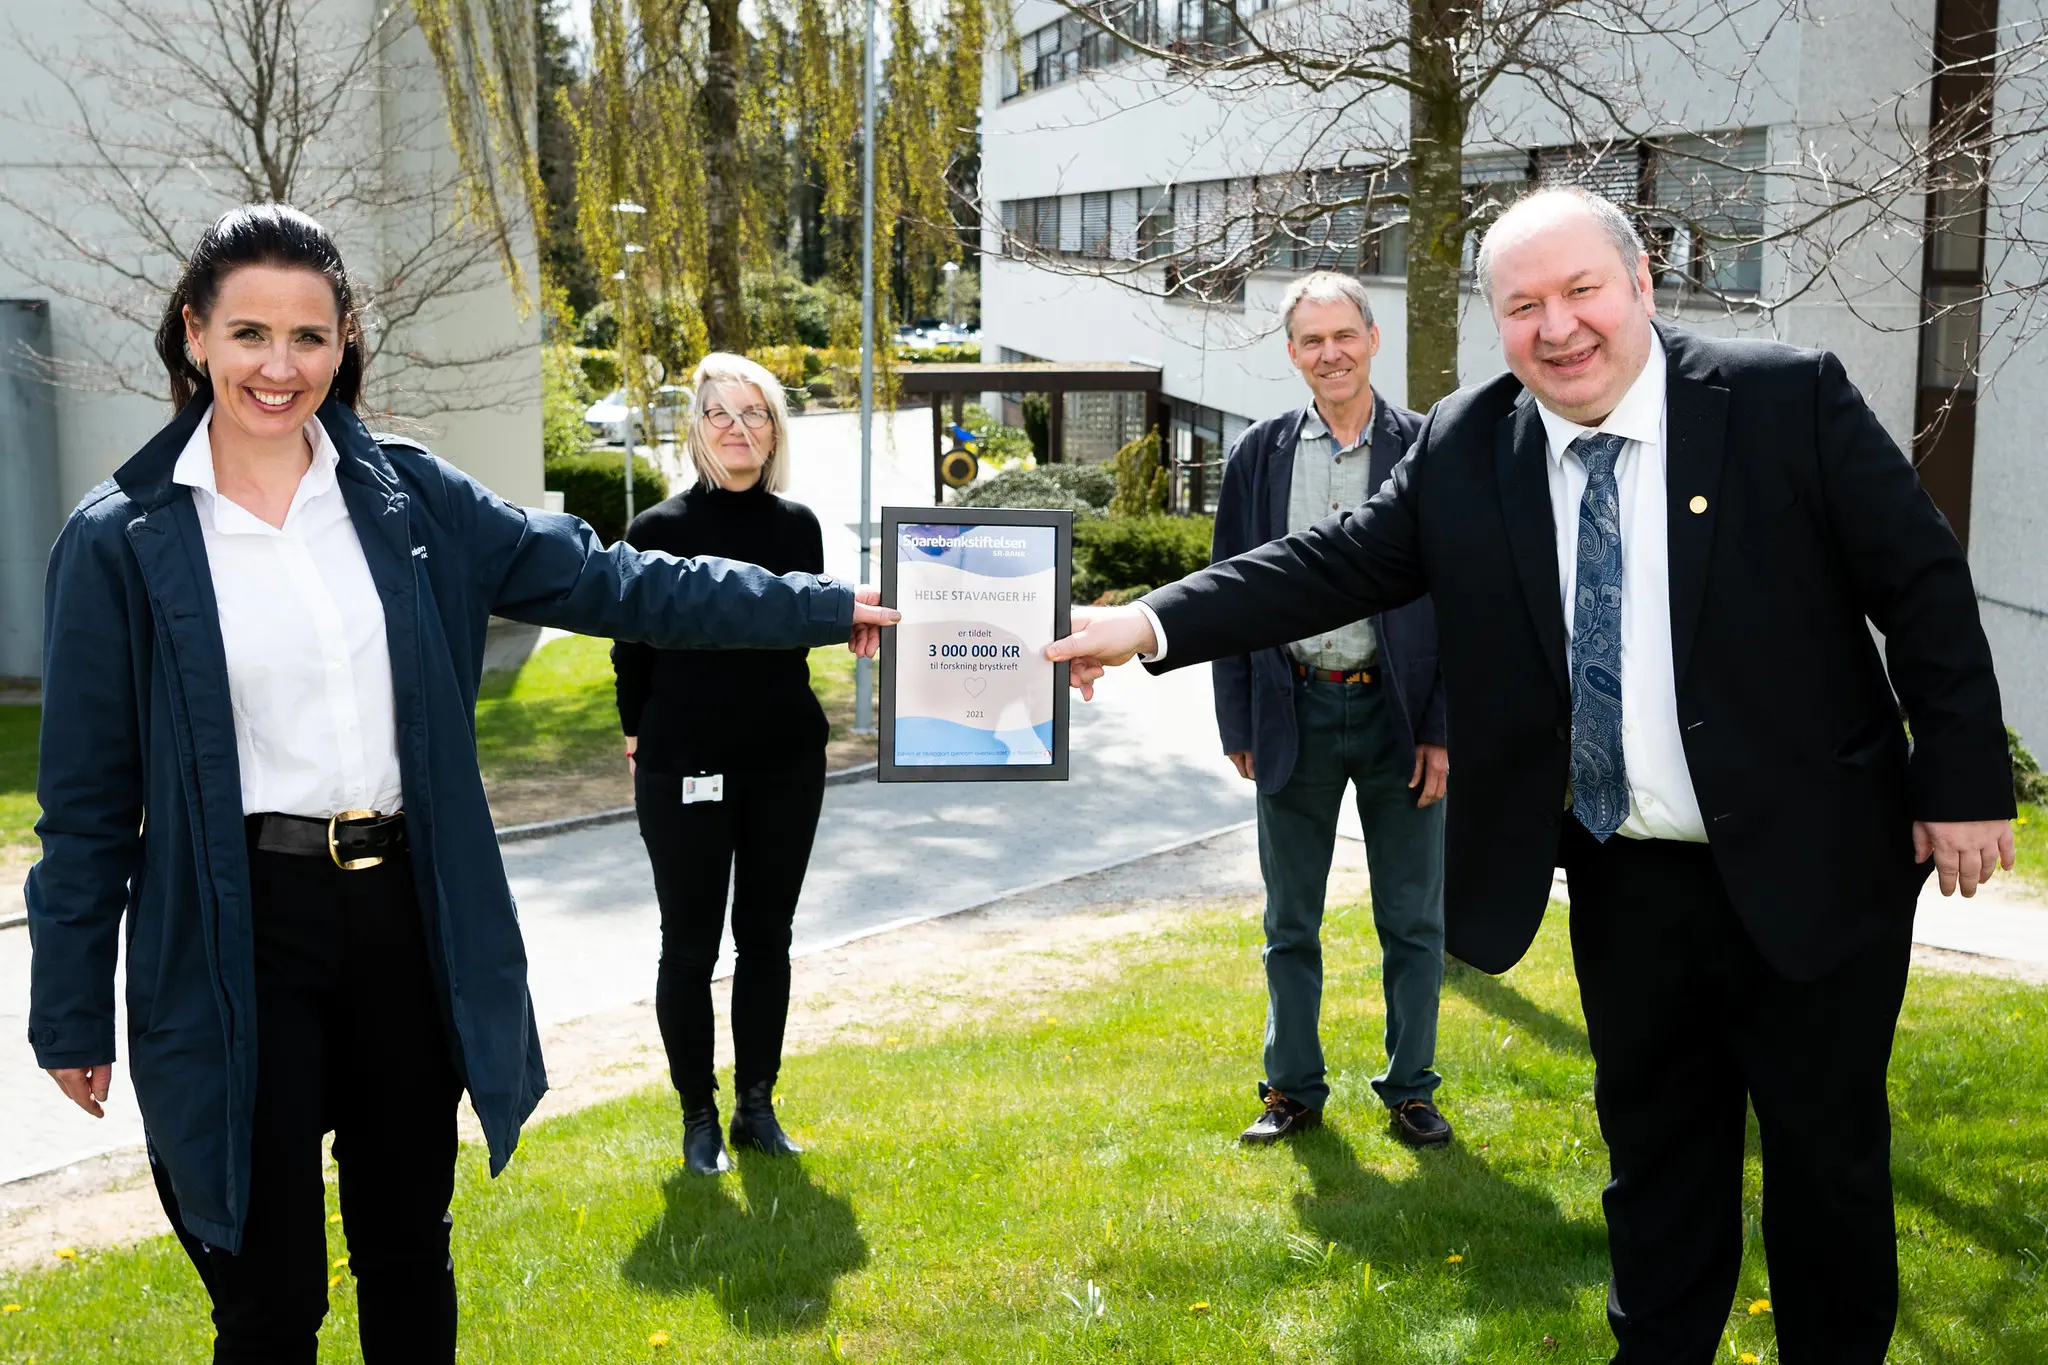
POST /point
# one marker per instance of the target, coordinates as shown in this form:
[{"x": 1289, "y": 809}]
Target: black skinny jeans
[
  {"x": 349, "y": 1038},
  {"x": 757, "y": 841}
]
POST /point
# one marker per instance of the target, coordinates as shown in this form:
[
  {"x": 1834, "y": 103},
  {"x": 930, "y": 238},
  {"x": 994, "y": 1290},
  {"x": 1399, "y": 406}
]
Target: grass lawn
[
  {"x": 552, "y": 719},
  {"x": 556, "y": 714},
  {"x": 18, "y": 808},
  {"x": 2030, "y": 842},
  {"x": 1060, "y": 1183}
]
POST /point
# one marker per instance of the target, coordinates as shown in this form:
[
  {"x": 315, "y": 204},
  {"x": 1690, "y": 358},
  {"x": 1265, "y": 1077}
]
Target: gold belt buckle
[{"x": 334, "y": 849}]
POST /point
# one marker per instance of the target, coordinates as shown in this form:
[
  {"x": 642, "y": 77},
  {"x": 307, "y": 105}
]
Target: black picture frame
[{"x": 1062, "y": 523}]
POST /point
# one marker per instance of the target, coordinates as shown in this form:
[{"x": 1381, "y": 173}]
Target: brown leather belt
[
  {"x": 1362, "y": 675},
  {"x": 352, "y": 840}
]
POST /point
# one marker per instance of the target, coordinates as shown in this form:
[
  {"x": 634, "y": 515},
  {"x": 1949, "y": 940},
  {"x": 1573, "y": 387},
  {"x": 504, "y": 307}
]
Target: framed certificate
[{"x": 967, "y": 692}]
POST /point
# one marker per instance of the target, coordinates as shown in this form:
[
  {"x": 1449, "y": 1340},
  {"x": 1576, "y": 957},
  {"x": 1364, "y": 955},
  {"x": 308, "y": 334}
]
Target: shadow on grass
[
  {"x": 771, "y": 1261},
  {"x": 1505, "y": 1003},
  {"x": 1520, "y": 1250},
  {"x": 2007, "y": 1230}
]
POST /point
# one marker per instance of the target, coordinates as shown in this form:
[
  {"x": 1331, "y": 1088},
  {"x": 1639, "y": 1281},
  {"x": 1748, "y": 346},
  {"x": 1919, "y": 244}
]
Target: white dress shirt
[
  {"x": 308, "y": 668},
  {"x": 1661, "y": 800}
]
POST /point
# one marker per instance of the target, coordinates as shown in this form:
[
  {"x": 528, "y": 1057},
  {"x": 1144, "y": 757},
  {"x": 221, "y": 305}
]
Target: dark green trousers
[{"x": 1349, "y": 735}]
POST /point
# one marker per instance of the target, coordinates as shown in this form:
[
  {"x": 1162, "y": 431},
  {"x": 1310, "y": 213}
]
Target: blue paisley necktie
[{"x": 1599, "y": 776}]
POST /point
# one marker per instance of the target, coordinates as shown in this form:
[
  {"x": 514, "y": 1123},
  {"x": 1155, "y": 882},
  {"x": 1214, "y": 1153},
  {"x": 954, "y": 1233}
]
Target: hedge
[
  {"x": 1084, "y": 489},
  {"x": 1138, "y": 552},
  {"x": 593, "y": 487}
]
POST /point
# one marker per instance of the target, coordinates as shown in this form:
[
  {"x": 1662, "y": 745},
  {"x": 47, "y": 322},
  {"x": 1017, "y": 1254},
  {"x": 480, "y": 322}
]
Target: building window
[
  {"x": 1094, "y": 242},
  {"x": 1033, "y": 226},
  {"x": 1350, "y": 221},
  {"x": 1072, "y": 45},
  {"x": 1704, "y": 219},
  {"x": 1211, "y": 250},
  {"x": 1201, "y": 438}
]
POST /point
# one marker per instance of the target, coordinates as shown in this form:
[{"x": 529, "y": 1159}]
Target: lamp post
[
  {"x": 950, "y": 269},
  {"x": 864, "y": 669},
  {"x": 626, "y": 209}
]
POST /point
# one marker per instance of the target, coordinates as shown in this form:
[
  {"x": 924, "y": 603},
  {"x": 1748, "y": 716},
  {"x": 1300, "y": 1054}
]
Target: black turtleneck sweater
[{"x": 707, "y": 710}]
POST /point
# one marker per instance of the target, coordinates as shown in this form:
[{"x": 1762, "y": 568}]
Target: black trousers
[
  {"x": 757, "y": 842},
  {"x": 349, "y": 1038},
  {"x": 1687, "y": 1021}
]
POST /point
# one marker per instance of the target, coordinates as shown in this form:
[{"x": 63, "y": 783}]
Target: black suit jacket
[
  {"x": 1813, "y": 522},
  {"x": 1255, "y": 692}
]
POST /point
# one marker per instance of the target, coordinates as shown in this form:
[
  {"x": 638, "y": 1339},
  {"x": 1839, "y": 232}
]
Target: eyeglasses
[{"x": 755, "y": 418}]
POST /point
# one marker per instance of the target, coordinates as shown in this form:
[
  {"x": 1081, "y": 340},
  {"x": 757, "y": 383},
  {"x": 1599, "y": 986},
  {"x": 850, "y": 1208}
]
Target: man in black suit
[
  {"x": 1653, "y": 556},
  {"x": 1359, "y": 705}
]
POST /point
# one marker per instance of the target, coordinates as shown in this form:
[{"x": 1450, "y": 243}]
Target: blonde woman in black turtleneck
[{"x": 749, "y": 717}]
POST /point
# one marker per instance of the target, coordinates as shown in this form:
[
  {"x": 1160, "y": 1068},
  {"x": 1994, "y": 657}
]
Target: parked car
[{"x": 606, "y": 418}]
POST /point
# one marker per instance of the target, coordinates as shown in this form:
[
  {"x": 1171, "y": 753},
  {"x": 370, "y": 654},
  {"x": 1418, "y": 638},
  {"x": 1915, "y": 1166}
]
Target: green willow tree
[{"x": 712, "y": 120}]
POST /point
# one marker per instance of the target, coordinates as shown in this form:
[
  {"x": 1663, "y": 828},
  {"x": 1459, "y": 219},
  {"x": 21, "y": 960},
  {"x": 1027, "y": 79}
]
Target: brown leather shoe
[
  {"x": 1283, "y": 1118},
  {"x": 1417, "y": 1123}
]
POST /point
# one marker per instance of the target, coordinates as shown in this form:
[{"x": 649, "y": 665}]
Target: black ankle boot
[
  {"x": 754, "y": 1125},
  {"x": 703, "y": 1148}
]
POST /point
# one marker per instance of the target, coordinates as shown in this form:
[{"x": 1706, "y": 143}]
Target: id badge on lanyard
[{"x": 706, "y": 787}]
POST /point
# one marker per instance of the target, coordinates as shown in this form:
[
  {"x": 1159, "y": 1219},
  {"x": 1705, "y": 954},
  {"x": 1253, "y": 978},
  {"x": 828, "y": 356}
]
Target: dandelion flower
[
  {"x": 1747, "y": 1358},
  {"x": 892, "y": 1040},
  {"x": 334, "y": 1283},
  {"x": 334, "y": 1218},
  {"x": 1200, "y": 1308},
  {"x": 10, "y": 1308},
  {"x": 1454, "y": 1259},
  {"x": 67, "y": 1253},
  {"x": 1760, "y": 1307},
  {"x": 657, "y": 1339},
  {"x": 341, "y": 1262}
]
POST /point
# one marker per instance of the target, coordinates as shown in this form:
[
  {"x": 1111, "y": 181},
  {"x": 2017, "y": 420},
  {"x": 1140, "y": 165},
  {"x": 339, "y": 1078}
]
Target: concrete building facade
[
  {"x": 460, "y": 365},
  {"x": 1093, "y": 158}
]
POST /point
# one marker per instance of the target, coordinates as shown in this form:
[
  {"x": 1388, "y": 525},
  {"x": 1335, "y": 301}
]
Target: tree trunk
[
  {"x": 1436, "y": 198},
  {"x": 725, "y": 317}
]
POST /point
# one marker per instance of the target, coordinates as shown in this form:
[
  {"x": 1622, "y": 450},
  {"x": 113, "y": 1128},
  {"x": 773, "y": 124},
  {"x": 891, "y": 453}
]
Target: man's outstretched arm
[{"x": 1342, "y": 569}]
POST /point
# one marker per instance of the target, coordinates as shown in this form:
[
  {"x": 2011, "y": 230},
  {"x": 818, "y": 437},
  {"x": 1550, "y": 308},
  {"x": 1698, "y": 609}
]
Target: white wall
[
  {"x": 1135, "y": 126},
  {"x": 97, "y": 430},
  {"x": 2009, "y": 493}
]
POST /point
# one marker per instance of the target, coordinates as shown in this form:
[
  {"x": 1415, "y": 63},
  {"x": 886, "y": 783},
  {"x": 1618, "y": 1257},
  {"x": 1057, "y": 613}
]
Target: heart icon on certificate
[{"x": 975, "y": 685}]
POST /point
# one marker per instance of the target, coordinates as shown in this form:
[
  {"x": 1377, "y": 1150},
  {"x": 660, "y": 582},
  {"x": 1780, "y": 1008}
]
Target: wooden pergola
[{"x": 1052, "y": 378}]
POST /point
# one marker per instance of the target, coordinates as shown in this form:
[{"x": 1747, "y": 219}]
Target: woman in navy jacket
[{"x": 294, "y": 971}]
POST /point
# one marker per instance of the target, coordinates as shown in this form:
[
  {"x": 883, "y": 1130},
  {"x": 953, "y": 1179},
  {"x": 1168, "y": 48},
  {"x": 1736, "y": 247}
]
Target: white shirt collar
[
  {"x": 1639, "y": 416},
  {"x": 195, "y": 470}
]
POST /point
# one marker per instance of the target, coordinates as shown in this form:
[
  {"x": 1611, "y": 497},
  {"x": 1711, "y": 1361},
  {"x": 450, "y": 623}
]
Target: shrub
[
  {"x": 1127, "y": 552},
  {"x": 600, "y": 369},
  {"x": 2029, "y": 783},
  {"x": 563, "y": 397},
  {"x": 593, "y": 487},
  {"x": 783, "y": 310},
  {"x": 1140, "y": 482},
  {"x": 1083, "y": 489},
  {"x": 944, "y": 353},
  {"x": 599, "y": 329},
  {"x": 1002, "y": 448},
  {"x": 675, "y": 333},
  {"x": 786, "y": 363}
]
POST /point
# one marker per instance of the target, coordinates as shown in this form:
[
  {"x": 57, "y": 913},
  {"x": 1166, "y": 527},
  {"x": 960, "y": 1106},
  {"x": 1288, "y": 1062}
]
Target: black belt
[{"x": 352, "y": 840}]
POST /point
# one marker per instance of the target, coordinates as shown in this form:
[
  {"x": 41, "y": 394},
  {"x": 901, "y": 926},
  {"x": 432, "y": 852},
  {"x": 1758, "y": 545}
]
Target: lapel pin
[{"x": 1698, "y": 504}]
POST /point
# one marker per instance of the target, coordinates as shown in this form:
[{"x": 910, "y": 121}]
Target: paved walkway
[{"x": 1146, "y": 775}]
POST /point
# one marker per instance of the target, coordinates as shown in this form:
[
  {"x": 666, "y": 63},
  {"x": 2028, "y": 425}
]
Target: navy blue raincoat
[{"x": 141, "y": 791}]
